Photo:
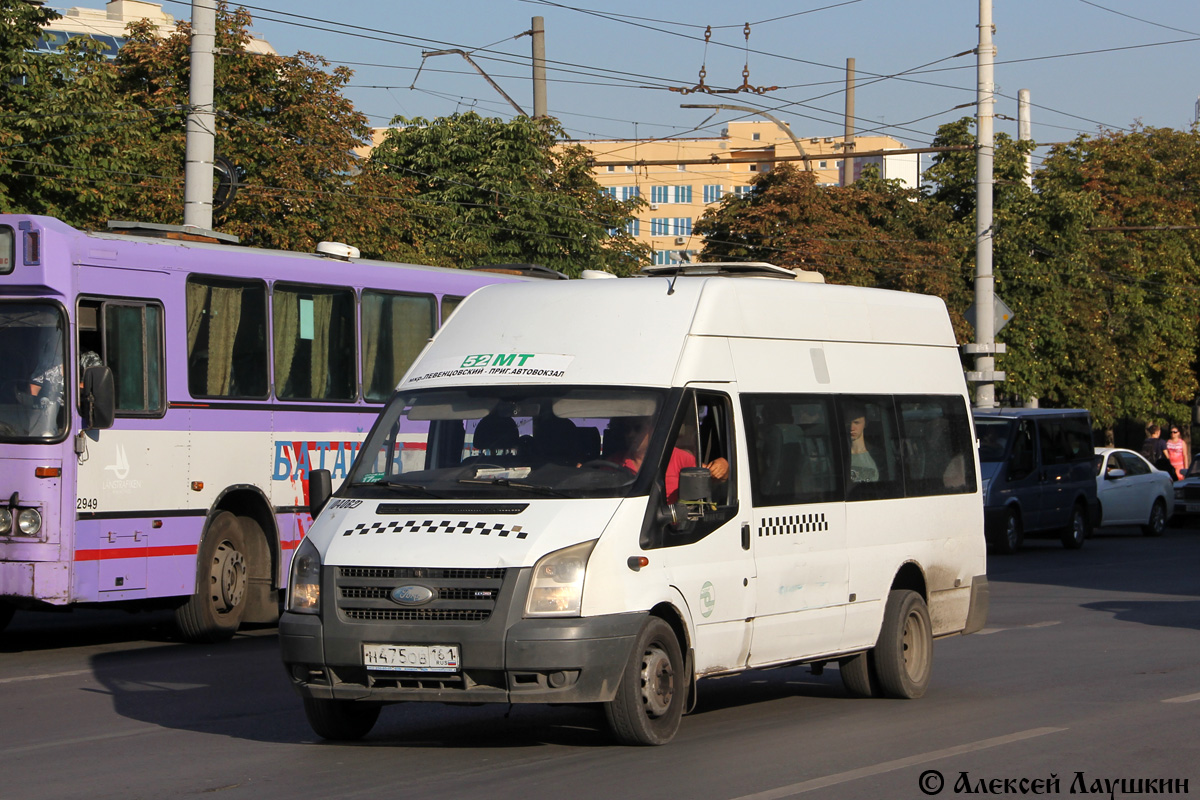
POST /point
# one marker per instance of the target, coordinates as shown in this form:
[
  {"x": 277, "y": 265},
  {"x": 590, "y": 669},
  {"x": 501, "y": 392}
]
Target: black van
[{"x": 1039, "y": 475}]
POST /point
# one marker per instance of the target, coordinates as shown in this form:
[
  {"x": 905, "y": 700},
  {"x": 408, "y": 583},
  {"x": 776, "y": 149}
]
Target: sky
[{"x": 1088, "y": 64}]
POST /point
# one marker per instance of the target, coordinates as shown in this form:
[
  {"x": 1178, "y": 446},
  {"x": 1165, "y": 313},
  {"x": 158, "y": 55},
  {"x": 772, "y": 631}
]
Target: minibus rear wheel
[
  {"x": 340, "y": 720},
  {"x": 652, "y": 690},
  {"x": 904, "y": 652},
  {"x": 1074, "y": 534},
  {"x": 214, "y": 612}
]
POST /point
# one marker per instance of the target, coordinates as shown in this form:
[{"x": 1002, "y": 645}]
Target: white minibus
[{"x": 605, "y": 491}]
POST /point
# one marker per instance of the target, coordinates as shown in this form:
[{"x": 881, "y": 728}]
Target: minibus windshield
[
  {"x": 993, "y": 438},
  {"x": 509, "y": 441},
  {"x": 32, "y": 383}
]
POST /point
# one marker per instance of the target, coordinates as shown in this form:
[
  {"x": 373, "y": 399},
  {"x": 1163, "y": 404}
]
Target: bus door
[{"x": 798, "y": 526}]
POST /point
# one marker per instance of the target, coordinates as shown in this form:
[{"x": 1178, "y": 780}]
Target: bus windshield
[
  {"x": 32, "y": 371},
  {"x": 509, "y": 441}
]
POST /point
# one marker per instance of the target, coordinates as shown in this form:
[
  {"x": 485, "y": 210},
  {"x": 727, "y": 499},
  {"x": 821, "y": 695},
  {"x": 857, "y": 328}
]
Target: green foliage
[{"x": 493, "y": 192}]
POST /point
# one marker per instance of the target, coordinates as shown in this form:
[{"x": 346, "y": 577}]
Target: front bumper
[{"x": 505, "y": 658}]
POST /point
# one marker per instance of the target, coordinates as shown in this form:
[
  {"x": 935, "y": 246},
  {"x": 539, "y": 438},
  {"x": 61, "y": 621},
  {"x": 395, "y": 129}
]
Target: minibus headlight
[
  {"x": 557, "y": 586},
  {"x": 304, "y": 589},
  {"x": 5, "y": 522},
  {"x": 29, "y": 521},
  {"x": 986, "y": 483}
]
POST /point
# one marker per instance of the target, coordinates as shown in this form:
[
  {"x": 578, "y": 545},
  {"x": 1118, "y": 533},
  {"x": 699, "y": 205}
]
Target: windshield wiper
[
  {"x": 547, "y": 491},
  {"x": 409, "y": 487}
]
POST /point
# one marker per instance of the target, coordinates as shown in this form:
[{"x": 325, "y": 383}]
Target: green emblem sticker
[{"x": 708, "y": 599}]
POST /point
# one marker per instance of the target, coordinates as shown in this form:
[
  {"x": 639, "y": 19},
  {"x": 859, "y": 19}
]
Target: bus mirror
[
  {"x": 99, "y": 399},
  {"x": 320, "y": 489},
  {"x": 695, "y": 485}
]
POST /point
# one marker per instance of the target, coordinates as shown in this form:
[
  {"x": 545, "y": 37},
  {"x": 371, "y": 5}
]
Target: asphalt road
[{"x": 1088, "y": 670}]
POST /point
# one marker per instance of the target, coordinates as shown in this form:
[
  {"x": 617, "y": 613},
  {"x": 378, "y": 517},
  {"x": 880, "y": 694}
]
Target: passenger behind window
[{"x": 863, "y": 468}]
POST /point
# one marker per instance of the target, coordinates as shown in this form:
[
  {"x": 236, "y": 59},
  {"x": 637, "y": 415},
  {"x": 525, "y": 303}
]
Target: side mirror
[
  {"x": 695, "y": 485},
  {"x": 320, "y": 489},
  {"x": 1113, "y": 474},
  {"x": 98, "y": 401}
]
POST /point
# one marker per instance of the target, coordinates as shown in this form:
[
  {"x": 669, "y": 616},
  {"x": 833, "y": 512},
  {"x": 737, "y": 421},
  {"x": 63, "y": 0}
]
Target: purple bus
[{"x": 163, "y": 398}]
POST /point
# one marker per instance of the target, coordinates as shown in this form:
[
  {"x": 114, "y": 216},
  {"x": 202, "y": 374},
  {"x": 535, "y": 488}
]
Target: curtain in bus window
[
  {"x": 197, "y": 300},
  {"x": 372, "y": 309},
  {"x": 223, "y": 320},
  {"x": 154, "y": 373},
  {"x": 413, "y": 321},
  {"x": 319, "y": 374},
  {"x": 394, "y": 329},
  {"x": 286, "y": 318}
]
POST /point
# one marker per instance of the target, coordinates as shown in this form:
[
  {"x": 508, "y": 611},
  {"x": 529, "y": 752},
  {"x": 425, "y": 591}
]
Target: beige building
[
  {"x": 681, "y": 178},
  {"x": 108, "y": 26}
]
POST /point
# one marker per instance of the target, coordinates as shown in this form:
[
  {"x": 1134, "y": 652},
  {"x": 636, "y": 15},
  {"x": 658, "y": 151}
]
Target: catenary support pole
[
  {"x": 539, "y": 68},
  {"x": 985, "y": 317},
  {"x": 848, "y": 137},
  {"x": 201, "y": 119},
  {"x": 1025, "y": 132}
]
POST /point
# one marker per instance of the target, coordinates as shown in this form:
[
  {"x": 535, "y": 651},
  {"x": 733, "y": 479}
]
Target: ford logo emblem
[{"x": 412, "y": 595}]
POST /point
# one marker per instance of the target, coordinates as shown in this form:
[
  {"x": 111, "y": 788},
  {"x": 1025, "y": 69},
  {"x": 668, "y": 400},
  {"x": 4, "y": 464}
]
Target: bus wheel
[
  {"x": 215, "y": 611},
  {"x": 652, "y": 690},
  {"x": 340, "y": 720},
  {"x": 859, "y": 675},
  {"x": 1077, "y": 531},
  {"x": 904, "y": 652}
]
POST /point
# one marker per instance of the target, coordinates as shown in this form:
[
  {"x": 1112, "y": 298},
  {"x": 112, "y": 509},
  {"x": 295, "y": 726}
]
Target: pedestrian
[
  {"x": 1177, "y": 452},
  {"x": 1155, "y": 449}
]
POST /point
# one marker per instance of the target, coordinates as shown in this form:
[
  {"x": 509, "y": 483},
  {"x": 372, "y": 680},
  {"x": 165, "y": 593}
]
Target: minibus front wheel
[
  {"x": 652, "y": 690},
  {"x": 340, "y": 720}
]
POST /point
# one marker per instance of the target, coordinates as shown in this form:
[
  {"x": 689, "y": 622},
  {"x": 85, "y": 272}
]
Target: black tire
[
  {"x": 6, "y": 615},
  {"x": 652, "y": 691},
  {"x": 1012, "y": 535},
  {"x": 341, "y": 720},
  {"x": 1079, "y": 530},
  {"x": 215, "y": 611},
  {"x": 904, "y": 653},
  {"x": 859, "y": 675},
  {"x": 1157, "y": 524}
]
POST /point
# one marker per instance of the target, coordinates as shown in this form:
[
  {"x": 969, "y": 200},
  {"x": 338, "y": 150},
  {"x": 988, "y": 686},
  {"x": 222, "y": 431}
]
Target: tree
[
  {"x": 492, "y": 192},
  {"x": 64, "y": 126},
  {"x": 873, "y": 233}
]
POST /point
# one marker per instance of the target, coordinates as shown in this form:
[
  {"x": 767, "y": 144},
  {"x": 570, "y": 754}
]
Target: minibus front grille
[{"x": 365, "y": 594}]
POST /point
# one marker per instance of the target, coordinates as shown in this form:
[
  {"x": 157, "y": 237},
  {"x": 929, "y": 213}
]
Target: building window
[
  {"x": 611, "y": 191},
  {"x": 611, "y": 169},
  {"x": 660, "y": 226},
  {"x": 755, "y": 136},
  {"x": 681, "y": 226},
  {"x": 823, "y": 164},
  {"x": 742, "y": 191},
  {"x": 634, "y": 227},
  {"x": 683, "y": 194},
  {"x": 660, "y": 194},
  {"x": 681, "y": 167},
  {"x": 712, "y": 193},
  {"x": 630, "y": 192},
  {"x": 629, "y": 169},
  {"x": 754, "y": 167}
]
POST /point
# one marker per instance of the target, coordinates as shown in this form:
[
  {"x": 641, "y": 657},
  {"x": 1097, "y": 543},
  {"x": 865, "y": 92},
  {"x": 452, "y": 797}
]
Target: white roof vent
[
  {"x": 595, "y": 274},
  {"x": 342, "y": 252}
]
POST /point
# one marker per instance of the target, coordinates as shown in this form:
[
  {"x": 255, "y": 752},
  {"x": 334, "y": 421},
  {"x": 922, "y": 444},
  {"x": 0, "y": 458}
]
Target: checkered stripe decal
[
  {"x": 796, "y": 523},
  {"x": 445, "y": 526}
]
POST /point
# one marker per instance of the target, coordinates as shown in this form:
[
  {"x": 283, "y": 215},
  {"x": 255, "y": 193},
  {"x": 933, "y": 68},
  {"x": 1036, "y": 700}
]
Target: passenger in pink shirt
[{"x": 637, "y": 434}]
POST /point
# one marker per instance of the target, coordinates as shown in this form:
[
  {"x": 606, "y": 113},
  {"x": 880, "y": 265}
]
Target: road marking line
[
  {"x": 1187, "y": 698},
  {"x": 8, "y": 751},
  {"x": 46, "y": 675},
  {"x": 890, "y": 766},
  {"x": 1047, "y": 624}
]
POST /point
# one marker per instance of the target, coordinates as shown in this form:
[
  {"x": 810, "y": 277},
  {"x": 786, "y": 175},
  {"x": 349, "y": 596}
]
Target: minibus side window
[
  {"x": 794, "y": 450},
  {"x": 936, "y": 446},
  {"x": 703, "y": 436},
  {"x": 1020, "y": 463},
  {"x": 871, "y": 446}
]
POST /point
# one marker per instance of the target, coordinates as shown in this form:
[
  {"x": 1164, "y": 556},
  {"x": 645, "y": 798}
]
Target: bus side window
[
  {"x": 395, "y": 327},
  {"x": 315, "y": 344},
  {"x": 795, "y": 449},
  {"x": 937, "y": 445},
  {"x": 226, "y": 337},
  {"x": 125, "y": 336}
]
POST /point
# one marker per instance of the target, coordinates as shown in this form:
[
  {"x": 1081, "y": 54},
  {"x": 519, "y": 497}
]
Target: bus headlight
[
  {"x": 304, "y": 588},
  {"x": 5, "y": 522},
  {"x": 557, "y": 586},
  {"x": 29, "y": 521}
]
